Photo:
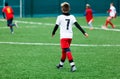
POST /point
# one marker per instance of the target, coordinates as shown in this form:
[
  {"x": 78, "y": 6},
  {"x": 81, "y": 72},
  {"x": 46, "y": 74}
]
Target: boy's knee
[{"x": 67, "y": 49}]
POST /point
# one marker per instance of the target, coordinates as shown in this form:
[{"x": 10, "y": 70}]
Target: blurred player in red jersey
[
  {"x": 65, "y": 22},
  {"x": 8, "y": 14},
  {"x": 89, "y": 16},
  {"x": 112, "y": 14}
]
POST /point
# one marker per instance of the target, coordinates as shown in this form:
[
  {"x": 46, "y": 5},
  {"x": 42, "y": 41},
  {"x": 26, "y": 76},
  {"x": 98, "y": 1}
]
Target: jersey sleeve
[
  {"x": 3, "y": 10},
  {"x": 58, "y": 20},
  {"x": 73, "y": 19}
]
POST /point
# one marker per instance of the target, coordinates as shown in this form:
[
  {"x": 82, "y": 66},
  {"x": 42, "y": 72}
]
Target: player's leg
[
  {"x": 65, "y": 44},
  {"x": 106, "y": 23},
  {"x": 9, "y": 25},
  {"x": 70, "y": 58},
  {"x": 111, "y": 23},
  {"x": 90, "y": 24},
  {"x": 12, "y": 22},
  {"x": 63, "y": 57}
]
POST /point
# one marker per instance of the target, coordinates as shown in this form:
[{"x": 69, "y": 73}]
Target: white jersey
[
  {"x": 65, "y": 23},
  {"x": 113, "y": 11}
]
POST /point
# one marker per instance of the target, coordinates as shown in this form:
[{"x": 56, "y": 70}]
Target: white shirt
[
  {"x": 65, "y": 23},
  {"x": 113, "y": 11}
]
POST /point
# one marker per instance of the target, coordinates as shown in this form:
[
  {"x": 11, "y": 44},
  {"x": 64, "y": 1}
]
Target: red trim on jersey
[
  {"x": 65, "y": 42},
  {"x": 109, "y": 11}
]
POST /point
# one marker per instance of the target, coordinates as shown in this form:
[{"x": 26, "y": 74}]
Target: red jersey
[
  {"x": 89, "y": 14},
  {"x": 8, "y": 12}
]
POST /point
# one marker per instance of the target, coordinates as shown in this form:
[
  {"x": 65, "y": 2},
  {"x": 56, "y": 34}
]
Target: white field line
[
  {"x": 118, "y": 30},
  {"x": 57, "y": 44},
  {"x": 50, "y": 24},
  {"x": 26, "y": 22}
]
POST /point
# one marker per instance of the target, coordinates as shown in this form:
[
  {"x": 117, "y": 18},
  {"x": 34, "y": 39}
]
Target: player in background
[
  {"x": 89, "y": 16},
  {"x": 65, "y": 22},
  {"x": 112, "y": 14},
  {"x": 8, "y": 14}
]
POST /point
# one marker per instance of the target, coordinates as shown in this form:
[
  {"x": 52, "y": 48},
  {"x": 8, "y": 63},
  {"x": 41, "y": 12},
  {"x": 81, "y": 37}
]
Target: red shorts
[
  {"x": 90, "y": 20},
  {"x": 65, "y": 42}
]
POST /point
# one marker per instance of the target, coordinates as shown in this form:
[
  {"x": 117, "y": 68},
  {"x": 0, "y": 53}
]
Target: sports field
[{"x": 31, "y": 52}]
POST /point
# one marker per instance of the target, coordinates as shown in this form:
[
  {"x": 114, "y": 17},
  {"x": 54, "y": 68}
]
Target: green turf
[{"x": 39, "y": 61}]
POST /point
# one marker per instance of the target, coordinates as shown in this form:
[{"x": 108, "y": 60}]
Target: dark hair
[
  {"x": 65, "y": 7},
  {"x": 6, "y": 3},
  {"x": 112, "y": 3}
]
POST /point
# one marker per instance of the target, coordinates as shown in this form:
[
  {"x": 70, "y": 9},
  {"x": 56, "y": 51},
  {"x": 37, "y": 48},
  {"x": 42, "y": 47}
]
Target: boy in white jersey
[
  {"x": 112, "y": 14},
  {"x": 65, "y": 22}
]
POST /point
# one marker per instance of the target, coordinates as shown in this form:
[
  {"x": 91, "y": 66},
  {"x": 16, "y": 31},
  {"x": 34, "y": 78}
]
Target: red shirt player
[
  {"x": 89, "y": 16},
  {"x": 8, "y": 14}
]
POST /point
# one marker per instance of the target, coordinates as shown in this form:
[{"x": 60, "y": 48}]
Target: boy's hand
[
  {"x": 86, "y": 35},
  {"x": 52, "y": 35}
]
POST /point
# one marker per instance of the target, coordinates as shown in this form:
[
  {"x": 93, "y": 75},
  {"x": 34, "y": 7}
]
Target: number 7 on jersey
[{"x": 68, "y": 22}]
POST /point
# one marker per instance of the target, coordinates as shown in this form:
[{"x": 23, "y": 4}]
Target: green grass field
[{"x": 31, "y": 52}]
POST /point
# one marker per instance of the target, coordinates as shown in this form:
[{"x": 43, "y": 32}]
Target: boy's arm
[
  {"x": 85, "y": 13},
  {"x": 3, "y": 15},
  {"x": 54, "y": 30},
  {"x": 108, "y": 11},
  {"x": 80, "y": 28}
]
